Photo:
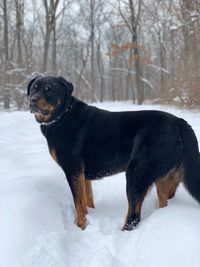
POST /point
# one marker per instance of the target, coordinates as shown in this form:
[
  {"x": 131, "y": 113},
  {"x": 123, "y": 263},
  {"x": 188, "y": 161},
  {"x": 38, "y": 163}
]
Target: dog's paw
[{"x": 131, "y": 223}]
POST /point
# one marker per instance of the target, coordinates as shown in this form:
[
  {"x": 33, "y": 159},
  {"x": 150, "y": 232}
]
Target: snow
[{"x": 37, "y": 226}]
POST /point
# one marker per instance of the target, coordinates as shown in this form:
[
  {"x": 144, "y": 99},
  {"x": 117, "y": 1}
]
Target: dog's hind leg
[
  {"x": 163, "y": 193},
  {"x": 89, "y": 193},
  {"x": 154, "y": 155},
  {"x": 136, "y": 188},
  {"x": 166, "y": 187}
]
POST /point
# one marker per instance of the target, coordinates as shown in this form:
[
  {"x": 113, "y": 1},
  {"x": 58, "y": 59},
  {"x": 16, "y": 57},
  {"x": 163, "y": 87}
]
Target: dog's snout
[
  {"x": 33, "y": 104},
  {"x": 34, "y": 99}
]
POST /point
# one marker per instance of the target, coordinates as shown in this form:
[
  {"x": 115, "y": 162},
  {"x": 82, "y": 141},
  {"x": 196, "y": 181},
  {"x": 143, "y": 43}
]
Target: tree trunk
[
  {"x": 19, "y": 6},
  {"x": 46, "y": 48},
  {"x": 50, "y": 10},
  {"x": 92, "y": 10},
  {"x": 5, "y": 19},
  {"x": 139, "y": 88},
  {"x": 54, "y": 48},
  {"x": 6, "y": 95}
]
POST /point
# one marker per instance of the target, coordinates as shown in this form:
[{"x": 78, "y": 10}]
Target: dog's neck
[{"x": 61, "y": 113}]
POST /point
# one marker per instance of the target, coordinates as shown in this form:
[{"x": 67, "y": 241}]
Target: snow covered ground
[{"x": 37, "y": 213}]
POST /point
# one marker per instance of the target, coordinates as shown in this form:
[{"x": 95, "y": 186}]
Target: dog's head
[{"x": 48, "y": 96}]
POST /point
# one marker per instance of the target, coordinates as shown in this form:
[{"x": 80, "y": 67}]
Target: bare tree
[
  {"x": 50, "y": 24},
  {"x": 133, "y": 8},
  {"x": 19, "y": 7},
  {"x": 137, "y": 49},
  {"x": 6, "y": 55}
]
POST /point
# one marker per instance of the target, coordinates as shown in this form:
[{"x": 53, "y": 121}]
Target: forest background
[{"x": 137, "y": 50}]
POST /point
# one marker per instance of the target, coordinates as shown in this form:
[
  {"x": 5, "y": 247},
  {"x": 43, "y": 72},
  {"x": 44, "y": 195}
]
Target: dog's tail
[{"x": 191, "y": 160}]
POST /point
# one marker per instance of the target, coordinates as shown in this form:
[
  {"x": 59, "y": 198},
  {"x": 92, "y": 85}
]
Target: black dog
[{"x": 89, "y": 143}]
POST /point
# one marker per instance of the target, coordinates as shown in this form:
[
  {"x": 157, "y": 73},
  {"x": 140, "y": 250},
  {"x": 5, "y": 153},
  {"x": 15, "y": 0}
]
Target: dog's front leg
[{"x": 76, "y": 182}]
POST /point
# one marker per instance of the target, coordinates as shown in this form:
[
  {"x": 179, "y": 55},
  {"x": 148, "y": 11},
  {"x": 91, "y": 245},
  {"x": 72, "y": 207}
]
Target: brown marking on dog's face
[
  {"x": 46, "y": 107},
  {"x": 46, "y": 110},
  {"x": 166, "y": 186},
  {"x": 89, "y": 194}
]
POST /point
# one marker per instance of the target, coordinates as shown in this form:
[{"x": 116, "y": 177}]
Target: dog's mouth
[
  {"x": 41, "y": 115},
  {"x": 36, "y": 110}
]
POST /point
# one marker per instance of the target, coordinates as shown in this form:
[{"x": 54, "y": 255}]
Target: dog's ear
[
  {"x": 30, "y": 83},
  {"x": 67, "y": 84}
]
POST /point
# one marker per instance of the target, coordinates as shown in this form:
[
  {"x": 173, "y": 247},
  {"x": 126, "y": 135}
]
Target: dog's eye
[{"x": 49, "y": 90}]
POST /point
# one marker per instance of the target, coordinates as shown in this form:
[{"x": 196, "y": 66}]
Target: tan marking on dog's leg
[
  {"x": 172, "y": 190},
  {"x": 54, "y": 155},
  {"x": 89, "y": 193},
  {"x": 162, "y": 194},
  {"x": 127, "y": 216},
  {"x": 166, "y": 187},
  {"x": 129, "y": 211},
  {"x": 139, "y": 206},
  {"x": 80, "y": 201},
  {"x": 137, "y": 211},
  {"x": 178, "y": 176}
]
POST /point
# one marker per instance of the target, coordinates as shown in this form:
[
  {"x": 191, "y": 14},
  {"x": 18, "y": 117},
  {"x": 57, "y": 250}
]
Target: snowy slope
[{"x": 37, "y": 213}]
